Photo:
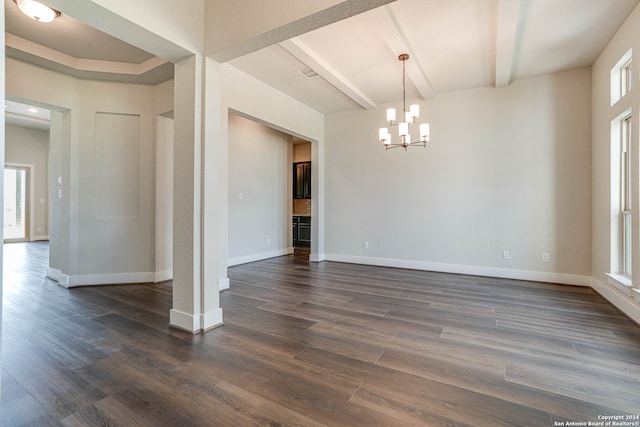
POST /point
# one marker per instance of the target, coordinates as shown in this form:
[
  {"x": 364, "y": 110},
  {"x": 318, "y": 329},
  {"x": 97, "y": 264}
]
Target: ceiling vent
[{"x": 308, "y": 73}]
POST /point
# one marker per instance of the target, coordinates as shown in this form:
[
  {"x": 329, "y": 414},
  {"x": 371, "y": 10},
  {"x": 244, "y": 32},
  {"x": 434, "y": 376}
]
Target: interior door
[{"x": 16, "y": 204}]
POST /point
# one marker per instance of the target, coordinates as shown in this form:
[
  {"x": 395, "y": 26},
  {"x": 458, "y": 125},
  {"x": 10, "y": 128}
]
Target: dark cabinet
[
  {"x": 302, "y": 180},
  {"x": 301, "y": 231}
]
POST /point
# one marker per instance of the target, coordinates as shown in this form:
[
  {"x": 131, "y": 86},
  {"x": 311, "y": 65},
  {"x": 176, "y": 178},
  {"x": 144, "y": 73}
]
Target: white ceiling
[
  {"x": 454, "y": 45},
  {"x": 29, "y": 116}
]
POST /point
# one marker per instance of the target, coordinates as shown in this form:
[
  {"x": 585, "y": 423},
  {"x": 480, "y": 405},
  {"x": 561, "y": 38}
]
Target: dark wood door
[{"x": 302, "y": 180}]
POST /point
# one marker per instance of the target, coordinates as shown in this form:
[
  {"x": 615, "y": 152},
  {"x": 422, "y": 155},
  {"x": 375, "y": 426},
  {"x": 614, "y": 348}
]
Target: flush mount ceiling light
[
  {"x": 409, "y": 118},
  {"x": 37, "y": 11}
]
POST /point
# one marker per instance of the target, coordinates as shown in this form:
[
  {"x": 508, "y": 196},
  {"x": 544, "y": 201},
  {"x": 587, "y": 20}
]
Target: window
[
  {"x": 625, "y": 194},
  {"x": 622, "y": 77},
  {"x": 626, "y": 77}
]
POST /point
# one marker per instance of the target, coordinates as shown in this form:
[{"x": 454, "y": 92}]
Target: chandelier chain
[{"x": 404, "y": 96}]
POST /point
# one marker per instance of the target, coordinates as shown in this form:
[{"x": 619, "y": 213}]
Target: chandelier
[{"x": 409, "y": 118}]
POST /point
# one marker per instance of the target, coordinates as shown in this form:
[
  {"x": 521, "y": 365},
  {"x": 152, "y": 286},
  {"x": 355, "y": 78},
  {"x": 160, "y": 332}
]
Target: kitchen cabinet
[
  {"x": 301, "y": 231},
  {"x": 302, "y": 180}
]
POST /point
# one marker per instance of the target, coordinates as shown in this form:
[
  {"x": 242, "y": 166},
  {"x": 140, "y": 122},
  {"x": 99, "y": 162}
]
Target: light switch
[
  {"x": 60, "y": 180},
  {"x": 60, "y": 193}
]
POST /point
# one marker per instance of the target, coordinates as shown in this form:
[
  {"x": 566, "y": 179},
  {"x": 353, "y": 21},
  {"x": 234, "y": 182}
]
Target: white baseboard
[
  {"x": 223, "y": 284},
  {"x": 316, "y": 257},
  {"x": 629, "y": 305},
  {"x": 195, "y": 323},
  {"x": 104, "y": 279},
  {"x": 163, "y": 276},
  {"x": 39, "y": 238},
  {"x": 258, "y": 257},
  {"x": 54, "y": 274},
  {"x": 505, "y": 273},
  {"x": 211, "y": 319},
  {"x": 184, "y": 321}
]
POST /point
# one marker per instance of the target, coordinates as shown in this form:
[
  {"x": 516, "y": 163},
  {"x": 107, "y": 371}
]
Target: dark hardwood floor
[{"x": 315, "y": 344}]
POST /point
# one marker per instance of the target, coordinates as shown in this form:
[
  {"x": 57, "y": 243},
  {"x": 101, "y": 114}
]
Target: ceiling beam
[
  {"x": 509, "y": 26},
  {"x": 340, "y": 11},
  {"x": 303, "y": 53},
  {"x": 391, "y": 31}
]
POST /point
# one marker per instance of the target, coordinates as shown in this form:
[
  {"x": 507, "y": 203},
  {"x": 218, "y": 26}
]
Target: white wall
[
  {"x": 110, "y": 183},
  {"x": 31, "y": 146},
  {"x": 605, "y": 213},
  {"x": 507, "y": 169},
  {"x": 251, "y": 98},
  {"x": 117, "y": 177},
  {"x": 260, "y": 175}
]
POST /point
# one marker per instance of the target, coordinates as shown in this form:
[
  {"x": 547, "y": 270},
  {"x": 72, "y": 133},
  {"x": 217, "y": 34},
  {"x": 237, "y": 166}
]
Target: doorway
[
  {"x": 301, "y": 193},
  {"x": 16, "y": 204}
]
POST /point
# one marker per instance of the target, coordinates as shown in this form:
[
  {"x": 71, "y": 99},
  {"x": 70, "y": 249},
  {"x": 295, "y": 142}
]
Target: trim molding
[
  {"x": 223, "y": 284},
  {"x": 54, "y": 274},
  {"x": 184, "y": 321},
  {"x": 104, "y": 279},
  {"x": 258, "y": 257},
  {"x": 620, "y": 300},
  {"x": 195, "y": 323},
  {"x": 505, "y": 273},
  {"x": 39, "y": 238},
  {"x": 316, "y": 257},
  {"x": 163, "y": 276},
  {"x": 211, "y": 319}
]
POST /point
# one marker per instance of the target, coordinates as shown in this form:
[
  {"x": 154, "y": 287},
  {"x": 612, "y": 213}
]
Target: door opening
[{"x": 16, "y": 204}]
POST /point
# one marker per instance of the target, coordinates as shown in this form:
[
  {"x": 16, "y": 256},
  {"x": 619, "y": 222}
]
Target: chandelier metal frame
[{"x": 409, "y": 117}]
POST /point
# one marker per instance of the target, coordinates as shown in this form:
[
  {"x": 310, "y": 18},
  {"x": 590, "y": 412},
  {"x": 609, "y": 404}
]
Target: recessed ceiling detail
[{"x": 68, "y": 46}]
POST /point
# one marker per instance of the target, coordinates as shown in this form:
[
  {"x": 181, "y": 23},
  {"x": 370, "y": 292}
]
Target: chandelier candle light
[{"x": 409, "y": 117}]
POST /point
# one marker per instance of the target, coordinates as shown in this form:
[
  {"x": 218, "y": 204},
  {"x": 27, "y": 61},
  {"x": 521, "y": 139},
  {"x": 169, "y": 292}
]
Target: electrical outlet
[
  {"x": 545, "y": 256},
  {"x": 269, "y": 241},
  {"x": 506, "y": 255},
  {"x": 365, "y": 245}
]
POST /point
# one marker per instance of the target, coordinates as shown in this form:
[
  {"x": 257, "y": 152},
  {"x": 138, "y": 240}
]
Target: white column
[
  {"x": 317, "y": 202},
  {"x": 1, "y": 178},
  {"x": 60, "y": 196},
  {"x": 186, "y": 311},
  {"x": 215, "y": 201},
  {"x": 199, "y": 195}
]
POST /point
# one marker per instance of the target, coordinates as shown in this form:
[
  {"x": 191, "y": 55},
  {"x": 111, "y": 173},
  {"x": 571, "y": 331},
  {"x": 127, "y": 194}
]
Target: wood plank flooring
[{"x": 315, "y": 344}]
